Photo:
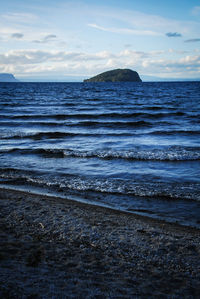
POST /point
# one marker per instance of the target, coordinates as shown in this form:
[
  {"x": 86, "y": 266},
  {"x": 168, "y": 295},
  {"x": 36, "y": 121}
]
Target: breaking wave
[{"x": 167, "y": 154}]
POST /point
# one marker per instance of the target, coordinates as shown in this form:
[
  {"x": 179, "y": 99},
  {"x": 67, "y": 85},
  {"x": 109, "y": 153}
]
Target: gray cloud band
[
  {"x": 192, "y": 40},
  {"x": 173, "y": 34}
]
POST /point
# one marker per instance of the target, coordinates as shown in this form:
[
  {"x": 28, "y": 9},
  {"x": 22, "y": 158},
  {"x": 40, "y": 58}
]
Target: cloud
[
  {"x": 19, "y": 57},
  {"x": 192, "y": 40},
  {"x": 44, "y": 63},
  {"x": 180, "y": 52},
  {"x": 124, "y": 30},
  {"x": 46, "y": 39},
  {"x": 145, "y": 22},
  {"x": 182, "y": 67},
  {"x": 74, "y": 60},
  {"x": 196, "y": 11},
  {"x": 128, "y": 45},
  {"x": 17, "y": 35},
  {"x": 18, "y": 26},
  {"x": 173, "y": 34},
  {"x": 20, "y": 17}
]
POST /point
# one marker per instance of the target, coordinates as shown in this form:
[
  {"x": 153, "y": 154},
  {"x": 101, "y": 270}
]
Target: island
[
  {"x": 6, "y": 77},
  {"x": 118, "y": 75}
]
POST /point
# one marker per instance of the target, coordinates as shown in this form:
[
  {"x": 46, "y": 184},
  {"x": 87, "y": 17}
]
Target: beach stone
[{"x": 111, "y": 261}]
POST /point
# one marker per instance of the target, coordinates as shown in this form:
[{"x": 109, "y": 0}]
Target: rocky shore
[{"x": 55, "y": 248}]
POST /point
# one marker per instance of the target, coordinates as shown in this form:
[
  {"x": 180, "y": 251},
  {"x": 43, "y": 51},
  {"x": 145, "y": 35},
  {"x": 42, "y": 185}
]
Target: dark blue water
[{"x": 131, "y": 146}]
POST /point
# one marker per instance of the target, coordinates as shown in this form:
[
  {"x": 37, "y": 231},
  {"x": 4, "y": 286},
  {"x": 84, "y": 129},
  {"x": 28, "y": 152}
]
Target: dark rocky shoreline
[{"x": 55, "y": 248}]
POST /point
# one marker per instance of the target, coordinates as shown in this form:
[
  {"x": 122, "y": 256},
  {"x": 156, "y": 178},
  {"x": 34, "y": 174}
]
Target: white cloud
[
  {"x": 13, "y": 25},
  {"x": 44, "y": 63},
  {"x": 190, "y": 60},
  {"x": 61, "y": 20},
  {"x": 18, "y": 57},
  {"x": 147, "y": 22},
  {"x": 185, "y": 67},
  {"x": 180, "y": 52},
  {"x": 19, "y": 17},
  {"x": 56, "y": 33},
  {"x": 125, "y": 30},
  {"x": 6, "y": 31}
]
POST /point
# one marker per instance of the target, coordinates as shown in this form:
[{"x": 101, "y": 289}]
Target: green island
[{"x": 118, "y": 75}]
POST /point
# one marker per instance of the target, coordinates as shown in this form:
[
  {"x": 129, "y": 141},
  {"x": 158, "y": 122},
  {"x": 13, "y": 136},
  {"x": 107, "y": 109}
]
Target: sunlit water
[{"x": 130, "y": 146}]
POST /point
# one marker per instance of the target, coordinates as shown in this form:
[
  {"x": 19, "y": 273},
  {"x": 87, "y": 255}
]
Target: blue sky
[{"x": 72, "y": 40}]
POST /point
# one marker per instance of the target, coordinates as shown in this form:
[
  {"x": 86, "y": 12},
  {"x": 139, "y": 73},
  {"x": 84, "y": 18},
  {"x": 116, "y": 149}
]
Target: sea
[{"x": 127, "y": 146}]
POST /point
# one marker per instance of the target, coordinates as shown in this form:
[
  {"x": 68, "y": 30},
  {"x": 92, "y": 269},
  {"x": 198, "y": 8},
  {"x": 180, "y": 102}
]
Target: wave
[
  {"x": 59, "y": 135},
  {"x": 175, "y": 132},
  {"x": 32, "y": 123},
  {"x": 89, "y": 123},
  {"x": 41, "y": 135},
  {"x": 68, "y": 182},
  {"x": 170, "y": 154},
  {"x": 95, "y": 115},
  {"x": 111, "y": 125},
  {"x": 118, "y": 124}
]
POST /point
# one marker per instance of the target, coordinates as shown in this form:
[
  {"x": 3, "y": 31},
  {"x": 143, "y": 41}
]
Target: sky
[{"x": 72, "y": 40}]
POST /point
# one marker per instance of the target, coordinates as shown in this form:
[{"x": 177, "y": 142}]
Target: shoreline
[
  {"x": 74, "y": 199},
  {"x": 56, "y": 248}
]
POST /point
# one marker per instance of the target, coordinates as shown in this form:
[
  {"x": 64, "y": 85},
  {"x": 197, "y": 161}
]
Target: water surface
[{"x": 130, "y": 146}]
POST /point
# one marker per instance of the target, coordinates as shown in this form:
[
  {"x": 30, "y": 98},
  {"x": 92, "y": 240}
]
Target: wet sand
[{"x": 55, "y": 248}]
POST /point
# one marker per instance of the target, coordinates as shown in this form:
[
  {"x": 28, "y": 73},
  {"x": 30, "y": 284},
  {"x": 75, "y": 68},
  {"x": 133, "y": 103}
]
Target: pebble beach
[{"x": 56, "y": 248}]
